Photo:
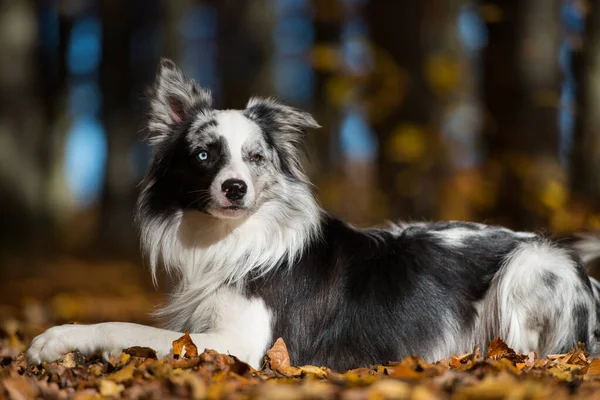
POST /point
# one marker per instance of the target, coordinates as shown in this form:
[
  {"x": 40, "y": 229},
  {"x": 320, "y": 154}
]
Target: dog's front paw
[{"x": 59, "y": 340}]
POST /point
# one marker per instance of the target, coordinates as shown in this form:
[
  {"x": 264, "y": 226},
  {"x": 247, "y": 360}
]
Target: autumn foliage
[{"x": 138, "y": 374}]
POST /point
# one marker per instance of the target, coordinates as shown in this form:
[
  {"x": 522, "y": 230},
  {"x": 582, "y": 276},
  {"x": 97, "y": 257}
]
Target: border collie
[{"x": 227, "y": 211}]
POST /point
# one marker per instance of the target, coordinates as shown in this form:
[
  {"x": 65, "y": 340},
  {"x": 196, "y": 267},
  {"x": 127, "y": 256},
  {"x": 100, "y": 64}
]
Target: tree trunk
[
  {"x": 585, "y": 159},
  {"x": 396, "y": 28},
  {"x": 521, "y": 91}
]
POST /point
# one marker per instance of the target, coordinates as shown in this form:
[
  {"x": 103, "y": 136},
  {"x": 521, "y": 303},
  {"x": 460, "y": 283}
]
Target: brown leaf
[
  {"x": 186, "y": 344},
  {"x": 593, "y": 372},
  {"x": 405, "y": 372},
  {"x": 498, "y": 349},
  {"x": 279, "y": 356},
  {"x": 192, "y": 382},
  {"x": 19, "y": 388},
  {"x": 319, "y": 372},
  {"x": 142, "y": 352}
]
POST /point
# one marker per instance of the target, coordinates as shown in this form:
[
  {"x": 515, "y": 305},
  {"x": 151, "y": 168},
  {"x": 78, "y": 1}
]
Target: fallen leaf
[
  {"x": 109, "y": 388},
  {"x": 498, "y": 349},
  {"x": 279, "y": 356},
  {"x": 122, "y": 375},
  {"x": 124, "y": 358},
  {"x": 390, "y": 389},
  {"x": 144, "y": 352},
  {"x": 19, "y": 388},
  {"x": 186, "y": 344},
  {"x": 593, "y": 372},
  {"x": 71, "y": 360}
]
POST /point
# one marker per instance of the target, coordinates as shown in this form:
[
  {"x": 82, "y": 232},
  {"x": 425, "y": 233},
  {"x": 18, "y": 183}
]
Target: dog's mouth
[
  {"x": 228, "y": 212},
  {"x": 234, "y": 208}
]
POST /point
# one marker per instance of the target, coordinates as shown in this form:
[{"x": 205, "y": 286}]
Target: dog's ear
[
  {"x": 284, "y": 126},
  {"x": 173, "y": 98},
  {"x": 287, "y": 120}
]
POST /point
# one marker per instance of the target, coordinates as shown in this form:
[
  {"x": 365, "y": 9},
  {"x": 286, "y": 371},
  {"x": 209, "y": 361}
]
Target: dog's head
[{"x": 225, "y": 163}]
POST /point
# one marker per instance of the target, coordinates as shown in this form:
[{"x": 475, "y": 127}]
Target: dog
[{"x": 226, "y": 209}]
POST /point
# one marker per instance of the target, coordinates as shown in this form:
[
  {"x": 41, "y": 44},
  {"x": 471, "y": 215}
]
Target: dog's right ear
[{"x": 174, "y": 97}]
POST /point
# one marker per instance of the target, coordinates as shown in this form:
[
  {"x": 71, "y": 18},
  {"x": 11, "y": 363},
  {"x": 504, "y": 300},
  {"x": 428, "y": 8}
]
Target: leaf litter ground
[{"x": 138, "y": 374}]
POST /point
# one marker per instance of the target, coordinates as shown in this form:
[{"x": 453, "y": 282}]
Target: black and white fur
[{"x": 269, "y": 262}]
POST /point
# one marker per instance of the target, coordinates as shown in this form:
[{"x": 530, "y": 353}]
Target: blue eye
[{"x": 203, "y": 156}]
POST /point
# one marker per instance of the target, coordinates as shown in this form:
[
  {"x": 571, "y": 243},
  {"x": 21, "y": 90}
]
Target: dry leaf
[
  {"x": 593, "y": 372},
  {"x": 186, "y": 344},
  {"x": 279, "y": 356},
  {"x": 123, "y": 375},
  {"x": 71, "y": 360},
  {"x": 19, "y": 388},
  {"x": 142, "y": 352},
  {"x": 109, "y": 388}
]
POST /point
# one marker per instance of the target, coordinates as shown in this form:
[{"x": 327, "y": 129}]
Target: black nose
[{"x": 234, "y": 189}]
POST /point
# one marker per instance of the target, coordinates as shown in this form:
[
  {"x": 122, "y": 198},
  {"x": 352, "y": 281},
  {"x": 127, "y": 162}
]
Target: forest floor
[{"x": 84, "y": 296}]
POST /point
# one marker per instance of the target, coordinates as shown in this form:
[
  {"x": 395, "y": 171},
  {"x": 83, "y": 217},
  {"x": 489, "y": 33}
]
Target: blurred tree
[
  {"x": 521, "y": 92},
  {"x": 118, "y": 195},
  {"x": 396, "y": 27},
  {"x": 585, "y": 159},
  {"x": 23, "y": 143}
]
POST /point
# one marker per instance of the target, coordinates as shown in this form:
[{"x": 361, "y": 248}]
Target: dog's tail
[{"x": 587, "y": 247}]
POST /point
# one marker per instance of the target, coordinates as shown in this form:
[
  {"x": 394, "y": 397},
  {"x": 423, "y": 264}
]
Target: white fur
[
  {"x": 240, "y": 327},
  {"x": 236, "y": 129},
  {"x": 456, "y": 237},
  {"x": 588, "y": 246},
  {"x": 517, "y": 294},
  {"x": 206, "y": 253}
]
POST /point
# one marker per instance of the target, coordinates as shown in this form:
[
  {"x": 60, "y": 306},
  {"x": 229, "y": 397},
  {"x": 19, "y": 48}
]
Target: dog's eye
[
  {"x": 256, "y": 158},
  {"x": 203, "y": 156}
]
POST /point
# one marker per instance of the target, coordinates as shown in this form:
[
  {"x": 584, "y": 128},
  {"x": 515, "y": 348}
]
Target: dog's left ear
[
  {"x": 283, "y": 123},
  {"x": 173, "y": 99}
]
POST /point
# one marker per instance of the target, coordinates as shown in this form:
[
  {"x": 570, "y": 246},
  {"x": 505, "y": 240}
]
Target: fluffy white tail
[{"x": 587, "y": 246}]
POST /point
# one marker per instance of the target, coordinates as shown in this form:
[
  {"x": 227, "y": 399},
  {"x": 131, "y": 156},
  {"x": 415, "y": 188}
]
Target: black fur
[
  {"x": 550, "y": 279},
  {"x": 360, "y": 297},
  {"x": 181, "y": 180},
  {"x": 267, "y": 118}
]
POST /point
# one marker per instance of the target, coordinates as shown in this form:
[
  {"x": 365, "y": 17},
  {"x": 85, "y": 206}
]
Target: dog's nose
[{"x": 234, "y": 189}]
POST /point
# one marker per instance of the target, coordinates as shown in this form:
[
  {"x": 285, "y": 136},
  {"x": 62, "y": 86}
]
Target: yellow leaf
[
  {"x": 122, "y": 375},
  {"x": 109, "y": 388},
  {"x": 124, "y": 358}
]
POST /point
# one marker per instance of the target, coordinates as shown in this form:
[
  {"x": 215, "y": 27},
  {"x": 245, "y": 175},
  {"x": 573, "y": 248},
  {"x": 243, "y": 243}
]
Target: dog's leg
[{"x": 111, "y": 337}]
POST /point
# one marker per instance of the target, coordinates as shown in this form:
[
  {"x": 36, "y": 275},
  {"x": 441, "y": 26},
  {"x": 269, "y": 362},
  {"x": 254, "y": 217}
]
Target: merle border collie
[{"x": 227, "y": 211}]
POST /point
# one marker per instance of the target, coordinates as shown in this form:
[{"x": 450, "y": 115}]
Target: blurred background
[{"x": 431, "y": 109}]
